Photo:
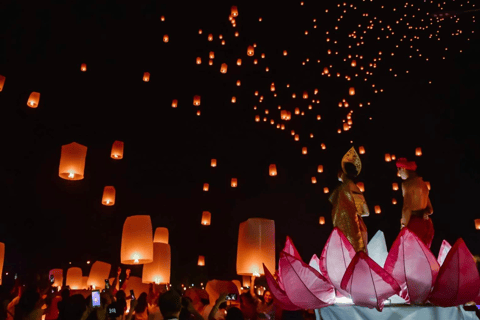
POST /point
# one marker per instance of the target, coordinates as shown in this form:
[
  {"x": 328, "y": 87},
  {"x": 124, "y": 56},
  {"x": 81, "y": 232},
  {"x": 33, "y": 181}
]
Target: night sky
[{"x": 47, "y": 222}]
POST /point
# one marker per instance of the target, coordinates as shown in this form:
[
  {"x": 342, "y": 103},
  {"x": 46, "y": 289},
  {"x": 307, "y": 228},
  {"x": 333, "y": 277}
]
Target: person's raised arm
[
  {"x": 124, "y": 284},
  {"x": 194, "y": 311},
  {"x": 133, "y": 304},
  {"x": 252, "y": 287},
  {"x": 215, "y": 308}
]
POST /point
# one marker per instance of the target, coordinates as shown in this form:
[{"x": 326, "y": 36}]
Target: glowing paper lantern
[
  {"x": 361, "y": 150},
  {"x": 234, "y": 11},
  {"x": 351, "y": 91},
  {"x": 211, "y": 55},
  {"x": 206, "y": 218},
  {"x": 83, "y": 67},
  {"x": 250, "y": 51},
  {"x": 272, "y": 170},
  {"x": 158, "y": 271},
  {"x": 33, "y": 100},
  {"x": 74, "y": 278},
  {"x": 256, "y": 246},
  {"x": 161, "y": 235},
  {"x": 378, "y": 210},
  {"x": 72, "y": 161},
  {"x": 418, "y": 152},
  {"x": 84, "y": 282},
  {"x": 326, "y": 190},
  {"x": 196, "y": 101},
  {"x": 213, "y": 163},
  {"x": 239, "y": 62},
  {"x": 108, "y": 198},
  {"x": 205, "y": 186},
  {"x": 146, "y": 76},
  {"x": 2, "y": 259},
  {"x": 304, "y": 150},
  {"x": 234, "y": 183},
  {"x": 223, "y": 68},
  {"x": 246, "y": 281},
  {"x": 58, "y": 277},
  {"x": 199, "y": 60},
  {"x": 395, "y": 186},
  {"x": 117, "y": 150},
  {"x": 477, "y": 224},
  {"x": 354, "y": 63},
  {"x": 98, "y": 273},
  {"x": 323, "y": 146},
  {"x": 174, "y": 103},
  {"x": 321, "y": 220},
  {"x": 361, "y": 186},
  {"x": 166, "y": 38},
  {"x": 320, "y": 168},
  {"x": 201, "y": 261},
  {"x": 137, "y": 244},
  {"x": 2, "y": 82},
  {"x": 388, "y": 158},
  {"x": 314, "y": 180}
]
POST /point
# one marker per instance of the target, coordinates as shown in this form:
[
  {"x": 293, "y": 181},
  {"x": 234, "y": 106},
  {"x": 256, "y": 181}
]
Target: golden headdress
[{"x": 352, "y": 157}]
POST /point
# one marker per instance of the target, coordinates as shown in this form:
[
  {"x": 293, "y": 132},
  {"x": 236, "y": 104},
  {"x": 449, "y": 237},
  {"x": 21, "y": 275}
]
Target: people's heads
[
  {"x": 65, "y": 293},
  {"x": 75, "y": 307},
  {"x": 405, "y": 168},
  {"x": 141, "y": 303},
  {"x": 234, "y": 314},
  {"x": 267, "y": 297},
  {"x": 170, "y": 304},
  {"x": 28, "y": 301}
]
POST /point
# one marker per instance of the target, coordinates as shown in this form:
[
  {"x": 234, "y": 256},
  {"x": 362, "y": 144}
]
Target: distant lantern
[
  {"x": 137, "y": 244},
  {"x": 285, "y": 52},
  {"x": 378, "y": 210},
  {"x": 74, "y": 278},
  {"x": 234, "y": 99},
  {"x": 325, "y": 70},
  {"x": 418, "y": 152},
  {"x": 2, "y": 259},
  {"x": 234, "y": 183},
  {"x": 304, "y": 150},
  {"x": 354, "y": 63},
  {"x": 210, "y": 37},
  {"x": 57, "y": 276},
  {"x": 361, "y": 150},
  {"x": 205, "y": 186},
  {"x": 196, "y": 101},
  {"x": 388, "y": 158},
  {"x": 239, "y": 62},
  {"x": 428, "y": 185},
  {"x": 206, "y": 218},
  {"x": 211, "y": 55},
  {"x": 297, "y": 111},
  {"x": 201, "y": 261},
  {"x": 272, "y": 170},
  {"x": 314, "y": 180},
  {"x": 305, "y": 95},
  {"x": 393, "y": 157},
  {"x": 272, "y": 87},
  {"x": 326, "y": 190},
  {"x": 146, "y": 76},
  {"x": 2, "y": 83},
  {"x": 72, "y": 161},
  {"x": 98, "y": 273},
  {"x": 320, "y": 168},
  {"x": 346, "y": 127},
  {"x": 33, "y": 100},
  {"x": 117, "y": 150},
  {"x": 361, "y": 186},
  {"x": 213, "y": 163},
  {"x": 165, "y": 38},
  {"x": 351, "y": 91},
  {"x": 174, "y": 103},
  {"x": 199, "y": 60},
  {"x": 323, "y": 146},
  {"x": 395, "y": 186},
  {"x": 250, "y": 51},
  {"x": 83, "y": 67},
  {"x": 234, "y": 11},
  {"x": 108, "y": 198},
  {"x": 394, "y": 201},
  {"x": 477, "y": 224},
  {"x": 223, "y": 68},
  {"x": 257, "y": 118},
  {"x": 321, "y": 220},
  {"x": 161, "y": 235},
  {"x": 256, "y": 246},
  {"x": 239, "y": 83},
  {"x": 158, "y": 271}
]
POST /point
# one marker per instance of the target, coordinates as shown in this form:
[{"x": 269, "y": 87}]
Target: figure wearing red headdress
[{"x": 416, "y": 204}]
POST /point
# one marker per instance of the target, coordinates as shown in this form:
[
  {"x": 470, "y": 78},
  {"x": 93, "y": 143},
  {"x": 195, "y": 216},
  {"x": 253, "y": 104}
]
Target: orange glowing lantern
[
  {"x": 174, "y": 103},
  {"x": 297, "y": 111},
  {"x": 361, "y": 186},
  {"x": 321, "y": 220},
  {"x": 2, "y": 83},
  {"x": 196, "y": 101},
  {"x": 199, "y": 60},
  {"x": 137, "y": 242},
  {"x": 166, "y": 38},
  {"x": 213, "y": 163},
  {"x": 239, "y": 62},
  {"x": 33, "y": 100},
  {"x": 239, "y": 83},
  {"x": 161, "y": 235},
  {"x": 394, "y": 201},
  {"x": 210, "y": 37},
  {"x": 146, "y": 76},
  {"x": 158, "y": 271},
  {"x": 378, "y": 210},
  {"x": 304, "y": 150},
  {"x": 234, "y": 99},
  {"x": 477, "y": 224},
  {"x": 201, "y": 261},
  {"x": 83, "y": 67},
  {"x": 211, "y": 55},
  {"x": 418, "y": 152},
  {"x": 98, "y": 273},
  {"x": 388, "y": 158},
  {"x": 361, "y": 150},
  {"x": 272, "y": 170},
  {"x": 234, "y": 11},
  {"x": 326, "y": 190},
  {"x": 57, "y": 276},
  {"x": 250, "y": 51},
  {"x": 325, "y": 70},
  {"x": 205, "y": 186},
  {"x": 223, "y": 68},
  {"x": 320, "y": 168},
  {"x": 117, "y": 150},
  {"x": 72, "y": 161},
  {"x": 234, "y": 183},
  {"x": 206, "y": 218},
  {"x": 246, "y": 281},
  {"x": 354, "y": 63},
  {"x": 108, "y": 198},
  {"x": 256, "y": 246},
  {"x": 74, "y": 278},
  {"x": 351, "y": 91},
  {"x": 428, "y": 185},
  {"x": 305, "y": 95},
  {"x": 314, "y": 180},
  {"x": 323, "y": 146},
  {"x": 395, "y": 186},
  {"x": 257, "y": 118}
]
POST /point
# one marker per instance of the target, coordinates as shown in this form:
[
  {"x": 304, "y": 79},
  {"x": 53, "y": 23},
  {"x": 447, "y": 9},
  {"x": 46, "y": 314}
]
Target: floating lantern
[
  {"x": 297, "y": 111},
  {"x": 108, "y": 198},
  {"x": 395, "y": 186},
  {"x": 304, "y": 150},
  {"x": 33, "y": 100},
  {"x": 206, "y": 218},
  {"x": 74, "y": 278},
  {"x": 325, "y": 70},
  {"x": 239, "y": 83},
  {"x": 326, "y": 190},
  {"x": 205, "y": 186},
  {"x": 165, "y": 38},
  {"x": 137, "y": 244},
  {"x": 234, "y": 99},
  {"x": 174, "y": 103},
  {"x": 117, "y": 150},
  {"x": 246, "y": 281},
  {"x": 158, "y": 271},
  {"x": 234, "y": 183},
  {"x": 256, "y": 246},
  {"x": 161, "y": 235},
  {"x": 361, "y": 150},
  {"x": 314, "y": 180},
  {"x": 84, "y": 282},
  {"x": 58, "y": 277},
  {"x": 210, "y": 37},
  {"x": 354, "y": 63},
  {"x": 361, "y": 186},
  {"x": 394, "y": 201},
  {"x": 346, "y": 127},
  {"x": 388, "y": 158},
  {"x": 257, "y": 118},
  {"x": 250, "y": 51},
  {"x": 199, "y": 60},
  {"x": 98, "y": 273},
  {"x": 418, "y": 152},
  {"x": 378, "y": 210},
  {"x": 305, "y": 95},
  {"x": 323, "y": 146},
  {"x": 2, "y": 83},
  {"x": 223, "y": 68},
  {"x": 146, "y": 76},
  {"x": 211, "y": 55},
  {"x": 196, "y": 101},
  {"x": 239, "y": 62},
  {"x": 477, "y": 224},
  {"x": 201, "y": 261},
  {"x": 2, "y": 259},
  {"x": 321, "y": 220},
  {"x": 351, "y": 91},
  {"x": 213, "y": 163},
  {"x": 83, "y": 67},
  {"x": 285, "y": 52},
  {"x": 72, "y": 161},
  {"x": 234, "y": 11},
  {"x": 272, "y": 170}
]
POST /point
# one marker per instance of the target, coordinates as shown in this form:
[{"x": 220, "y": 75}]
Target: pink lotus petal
[
  {"x": 315, "y": 263},
  {"x": 458, "y": 281},
  {"x": 304, "y": 286},
  {"x": 444, "y": 249},
  {"x": 413, "y": 266},
  {"x": 278, "y": 294},
  {"x": 290, "y": 249},
  {"x": 368, "y": 283},
  {"x": 335, "y": 258}
]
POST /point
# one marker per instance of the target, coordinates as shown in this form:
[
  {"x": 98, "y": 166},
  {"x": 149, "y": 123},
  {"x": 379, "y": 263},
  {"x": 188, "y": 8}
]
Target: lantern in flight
[
  {"x": 2, "y": 82},
  {"x": 250, "y": 51},
  {"x": 223, "y": 68},
  {"x": 206, "y": 186},
  {"x": 72, "y": 161},
  {"x": 354, "y": 63},
  {"x": 174, "y": 103},
  {"x": 199, "y": 60},
  {"x": 166, "y": 38},
  {"x": 320, "y": 168},
  {"x": 326, "y": 190},
  {"x": 395, "y": 186},
  {"x": 196, "y": 101},
  {"x": 57, "y": 276},
  {"x": 146, "y": 76},
  {"x": 234, "y": 11},
  {"x": 137, "y": 242},
  {"x": 418, "y": 152},
  {"x": 394, "y": 201},
  {"x": 304, "y": 150},
  {"x": 83, "y": 67},
  {"x": 256, "y": 246},
  {"x": 388, "y": 158},
  {"x": 117, "y": 150},
  {"x": 108, "y": 198},
  {"x": 378, "y": 210},
  {"x": 239, "y": 62},
  {"x": 158, "y": 271},
  {"x": 321, "y": 220},
  {"x": 206, "y": 218},
  {"x": 234, "y": 183},
  {"x": 98, "y": 273},
  {"x": 361, "y": 186},
  {"x": 323, "y": 146},
  {"x": 33, "y": 100},
  {"x": 272, "y": 170},
  {"x": 74, "y": 278},
  {"x": 201, "y": 261},
  {"x": 213, "y": 163},
  {"x": 305, "y": 95},
  {"x": 2, "y": 259},
  {"x": 351, "y": 91},
  {"x": 161, "y": 235},
  {"x": 361, "y": 150},
  {"x": 210, "y": 37},
  {"x": 314, "y": 180},
  {"x": 477, "y": 224}
]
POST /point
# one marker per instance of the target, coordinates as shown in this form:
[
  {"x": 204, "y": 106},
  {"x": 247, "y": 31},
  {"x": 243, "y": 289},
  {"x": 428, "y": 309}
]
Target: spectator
[
  {"x": 234, "y": 314},
  {"x": 61, "y": 305},
  {"x": 170, "y": 304},
  {"x": 141, "y": 310},
  {"x": 29, "y": 306}
]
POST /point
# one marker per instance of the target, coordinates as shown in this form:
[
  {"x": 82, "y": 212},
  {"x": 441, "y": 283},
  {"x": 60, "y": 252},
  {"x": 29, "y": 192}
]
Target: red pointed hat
[{"x": 404, "y": 163}]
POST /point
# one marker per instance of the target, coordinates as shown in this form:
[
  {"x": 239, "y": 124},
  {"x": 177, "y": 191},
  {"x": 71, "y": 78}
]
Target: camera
[{"x": 231, "y": 296}]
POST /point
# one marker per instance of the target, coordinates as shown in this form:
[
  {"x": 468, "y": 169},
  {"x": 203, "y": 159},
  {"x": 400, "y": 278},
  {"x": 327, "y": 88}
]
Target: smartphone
[
  {"x": 107, "y": 284},
  {"x": 95, "y": 298},
  {"x": 231, "y": 296},
  {"x": 52, "y": 278},
  {"x": 132, "y": 294}
]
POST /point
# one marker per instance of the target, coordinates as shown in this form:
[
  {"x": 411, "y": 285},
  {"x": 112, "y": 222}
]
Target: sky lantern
[
  {"x": 117, "y": 150},
  {"x": 33, "y": 100},
  {"x": 361, "y": 150},
  {"x": 83, "y": 67},
  {"x": 98, "y": 273},
  {"x": 325, "y": 70},
  {"x": 223, "y": 68},
  {"x": 174, "y": 103},
  {"x": 250, "y": 51},
  {"x": 297, "y": 111},
  {"x": 326, "y": 190},
  {"x": 256, "y": 246},
  {"x": 206, "y": 218},
  {"x": 351, "y": 91},
  {"x": 2, "y": 259},
  {"x": 137, "y": 242},
  {"x": 74, "y": 278},
  {"x": 210, "y": 37},
  {"x": 158, "y": 271},
  {"x": 354, "y": 63},
  {"x": 395, "y": 186},
  {"x": 305, "y": 95},
  {"x": 285, "y": 52},
  {"x": 272, "y": 170},
  {"x": 378, "y": 210},
  {"x": 394, "y": 201},
  {"x": 388, "y": 158},
  {"x": 196, "y": 101},
  {"x": 201, "y": 261},
  {"x": 361, "y": 186},
  {"x": 161, "y": 235},
  {"x": 213, "y": 163},
  {"x": 323, "y": 146},
  {"x": 166, "y": 38},
  {"x": 234, "y": 11},
  {"x": 234, "y": 183},
  {"x": 321, "y": 220},
  {"x": 58, "y": 277},
  {"x": 234, "y": 99},
  {"x": 2, "y": 82},
  {"x": 199, "y": 60},
  {"x": 320, "y": 168},
  {"x": 239, "y": 83},
  {"x": 72, "y": 161},
  {"x": 211, "y": 55},
  {"x": 239, "y": 62},
  {"x": 418, "y": 152},
  {"x": 206, "y": 186},
  {"x": 108, "y": 198},
  {"x": 314, "y": 180},
  {"x": 304, "y": 150},
  {"x": 257, "y": 118},
  {"x": 146, "y": 76},
  {"x": 477, "y": 224}
]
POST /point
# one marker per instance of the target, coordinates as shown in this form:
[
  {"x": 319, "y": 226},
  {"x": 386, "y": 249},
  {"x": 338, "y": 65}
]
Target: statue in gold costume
[{"x": 349, "y": 205}]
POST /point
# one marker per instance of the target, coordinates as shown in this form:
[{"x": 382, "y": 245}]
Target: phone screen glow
[{"x": 95, "y": 298}]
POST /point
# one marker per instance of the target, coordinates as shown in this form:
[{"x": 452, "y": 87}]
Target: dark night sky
[{"x": 48, "y": 222}]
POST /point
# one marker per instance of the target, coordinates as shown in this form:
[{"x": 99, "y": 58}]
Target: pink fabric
[
  {"x": 368, "y": 283},
  {"x": 279, "y": 295},
  {"x": 315, "y": 263},
  {"x": 413, "y": 266},
  {"x": 423, "y": 229},
  {"x": 290, "y": 249},
  {"x": 304, "y": 286},
  {"x": 458, "y": 281},
  {"x": 444, "y": 249},
  {"x": 335, "y": 258}
]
